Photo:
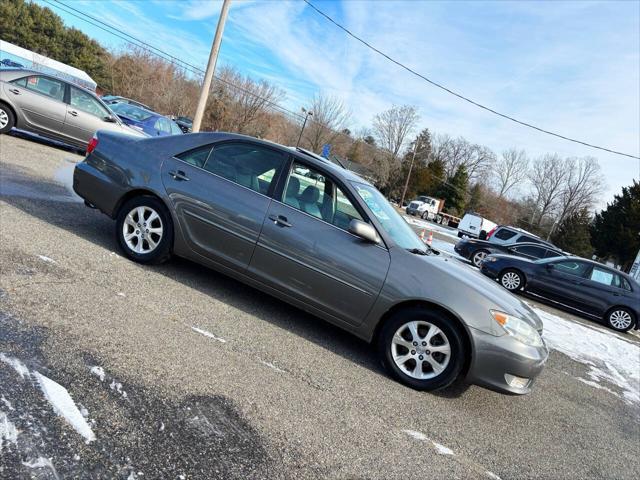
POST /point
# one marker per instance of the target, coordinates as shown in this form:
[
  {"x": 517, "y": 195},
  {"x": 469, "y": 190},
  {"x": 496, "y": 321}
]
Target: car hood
[{"x": 503, "y": 300}]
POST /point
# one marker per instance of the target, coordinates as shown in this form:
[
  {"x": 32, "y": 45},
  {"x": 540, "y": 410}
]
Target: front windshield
[
  {"x": 130, "y": 111},
  {"x": 397, "y": 228}
]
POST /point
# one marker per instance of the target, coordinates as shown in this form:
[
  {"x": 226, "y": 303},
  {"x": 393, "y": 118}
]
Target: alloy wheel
[
  {"x": 620, "y": 319},
  {"x": 142, "y": 229},
  {"x": 478, "y": 257},
  {"x": 421, "y": 350},
  {"x": 511, "y": 281},
  {"x": 4, "y": 118}
]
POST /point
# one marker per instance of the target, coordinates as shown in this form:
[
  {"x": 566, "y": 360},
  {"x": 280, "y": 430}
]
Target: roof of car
[{"x": 305, "y": 155}]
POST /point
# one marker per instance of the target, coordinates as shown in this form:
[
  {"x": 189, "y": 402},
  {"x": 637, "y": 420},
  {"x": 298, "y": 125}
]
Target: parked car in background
[
  {"x": 185, "y": 123},
  {"x": 425, "y": 207},
  {"x": 111, "y": 99},
  {"x": 476, "y": 250},
  {"x": 475, "y": 226},
  {"x": 503, "y": 234},
  {"x": 327, "y": 242},
  {"x": 151, "y": 123},
  {"x": 51, "y": 107},
  {"x": 591, "y": 288}
]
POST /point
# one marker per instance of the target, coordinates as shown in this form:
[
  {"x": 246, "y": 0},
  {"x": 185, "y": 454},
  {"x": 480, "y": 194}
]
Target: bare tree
[
  {"x": 455, "y": 152},
  {"x": 547, "y": 177},
  {"x": 511, "y": 170},
  {"x": 330, "y": 117},
  {"x": 583, "y": 183},
  {"x": 392, "y": 128}
]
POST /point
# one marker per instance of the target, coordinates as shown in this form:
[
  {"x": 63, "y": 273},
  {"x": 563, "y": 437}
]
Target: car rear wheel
[
  {"x": 512, "y": 280},
  {"x": 620, "y": 319},
  {"x": 421, "y": 349},
  {"x": 144, "y": 230},
  {"x": 478, "y": 257},
  {"x": 7, "y": 119}
]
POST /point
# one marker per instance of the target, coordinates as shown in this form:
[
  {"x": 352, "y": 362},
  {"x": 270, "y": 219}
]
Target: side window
[
  {"x": 572, "y": 267},
  {"x": 524, "y": 238},
  {"x": 175, "y": 129},
  {"x": 605, "y": 277},
  {"x": 21, "y": 82},
  {"x": 49, "y": 87},
  {"x": 85, "y": 102},
  {"x": 552, "y": 253},
  {"x": 313, "y": 193},
  {"x": 504, "y": 234},
  {"x": 251, "y": 166},
  {"x": 163, "y": 125},
  {"x": 531, "y": 251},
  {"x": 196, "y": 157}
]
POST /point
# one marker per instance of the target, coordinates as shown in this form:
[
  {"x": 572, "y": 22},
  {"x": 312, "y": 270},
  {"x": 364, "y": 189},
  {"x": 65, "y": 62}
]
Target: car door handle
[
  {"x": 73, "y": 112},
  {"x": 179, "y": 175},
  {"x": 280, "y": 220},
  {"x": 14, "y": 91}
]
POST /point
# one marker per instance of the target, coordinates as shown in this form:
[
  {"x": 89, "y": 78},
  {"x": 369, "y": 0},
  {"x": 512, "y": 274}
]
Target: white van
[{"x": 475, "y": 226}]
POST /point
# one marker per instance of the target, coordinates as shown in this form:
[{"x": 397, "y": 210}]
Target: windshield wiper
[{"x": 417, "y": 251}]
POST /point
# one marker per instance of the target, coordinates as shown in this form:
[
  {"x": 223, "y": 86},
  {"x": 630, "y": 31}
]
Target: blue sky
[{"x": 571, "y": 67}]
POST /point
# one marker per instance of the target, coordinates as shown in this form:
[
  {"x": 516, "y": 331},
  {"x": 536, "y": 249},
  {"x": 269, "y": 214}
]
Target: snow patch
[
  {"x": 8, "y": 431},
  {"x": 272, "y": 366},
  {"x": 120, "y": 294},
  {"x": 492, "y": 475},
  {"x": 440, "y": 449},
  {"x": 46, "y": 259},
  {"x": 116, "y": 386},
  {"x": 608, "y": 357},
  {"x": 6, "y": 402},
  {"x": 63, "y": 405},
  {"x": 42, "y": 462},
  {"x": 98, "y": 372},
  {"x": 17, "y": 365},
  {"x": 208, "y": 334}
]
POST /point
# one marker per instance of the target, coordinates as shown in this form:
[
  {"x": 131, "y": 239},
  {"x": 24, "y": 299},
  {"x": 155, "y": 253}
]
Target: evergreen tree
[
  {"x": 616, "y": 230},
  {"x": 454, "y": 191},
  {"x": 572, "y": 235}
]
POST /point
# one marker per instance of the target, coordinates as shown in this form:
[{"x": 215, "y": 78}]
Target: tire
[
  {"x": 512, "y": 280},
  {"x": 425, "y": 215},
  {"x": 138, "y": 245},
  {"x": 460, "y": 235},
  {"x": 396, "y": 340},
  {"x": 7, "y": 118},
  {"x": 617, "y": 319},
  {"x": 478, "y": 257}
]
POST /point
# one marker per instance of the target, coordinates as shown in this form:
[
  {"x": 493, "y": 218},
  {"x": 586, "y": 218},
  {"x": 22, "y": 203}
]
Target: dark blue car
[
  {"x": 593, "y": 289},
  {"x": 146, "y": 121}
]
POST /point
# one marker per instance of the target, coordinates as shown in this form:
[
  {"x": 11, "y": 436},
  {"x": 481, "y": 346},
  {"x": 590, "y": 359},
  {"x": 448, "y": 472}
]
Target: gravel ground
[{"x": 203, "y": 377}]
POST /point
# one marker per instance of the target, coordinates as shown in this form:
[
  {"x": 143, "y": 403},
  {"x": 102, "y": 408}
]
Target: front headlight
[{"x": 517, "y": 328}]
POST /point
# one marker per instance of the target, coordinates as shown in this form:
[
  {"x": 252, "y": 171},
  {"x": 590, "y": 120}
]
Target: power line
[
  {"x": 460, "y": 96},
  {"x": 158, "y": 52}
]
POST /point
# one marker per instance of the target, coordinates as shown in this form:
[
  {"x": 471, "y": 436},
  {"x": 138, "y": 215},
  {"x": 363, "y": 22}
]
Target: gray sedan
[
  {"x": 328, "y": 243},
  {"x": 56, "y": 109}
]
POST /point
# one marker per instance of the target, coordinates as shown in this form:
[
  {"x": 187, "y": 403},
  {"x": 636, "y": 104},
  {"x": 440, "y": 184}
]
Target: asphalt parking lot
[{"x": 176, "y": 371}]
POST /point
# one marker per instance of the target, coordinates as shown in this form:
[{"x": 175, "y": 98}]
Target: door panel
[
  {"x": 220, "y": 219},
  {"x": 40, "y": 100},
  {"x": 84, "y": 117},
  {"x": 565, "y": 285},
  {"x": 321, "y": 264}
]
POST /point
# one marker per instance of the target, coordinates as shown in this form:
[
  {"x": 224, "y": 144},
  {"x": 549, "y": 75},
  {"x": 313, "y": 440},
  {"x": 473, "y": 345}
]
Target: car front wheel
[
  {"x": 422, "y": 349},
  {"x": 144, "y": 230},
  {"x": 620, "y": 319},
  {"x": 512, "y": 280}
]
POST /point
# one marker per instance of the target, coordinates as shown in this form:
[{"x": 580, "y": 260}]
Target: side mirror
[
  {"x": 549, "y": 267},
  {"x": 109, "y": 119},
  {"x": 364, "y": 231}
]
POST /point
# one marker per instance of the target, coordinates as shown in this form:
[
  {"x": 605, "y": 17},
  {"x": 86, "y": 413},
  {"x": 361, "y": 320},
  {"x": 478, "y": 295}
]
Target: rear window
[
  {"x": 531, "y": 251},
  {"x": 525, "y": 238},
  {"x": 504, "y": 234},
  {"x": 131, "y": 111}
]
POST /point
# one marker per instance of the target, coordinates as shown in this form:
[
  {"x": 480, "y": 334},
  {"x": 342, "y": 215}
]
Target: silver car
[
  {"x": 326, "y": 241},
  {"x": 51, "y": 107}
]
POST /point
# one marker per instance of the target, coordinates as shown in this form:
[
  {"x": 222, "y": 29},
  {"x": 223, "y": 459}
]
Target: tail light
[
  {"x": 93, "y": 143},
  {"x": 491, "y": 232}
]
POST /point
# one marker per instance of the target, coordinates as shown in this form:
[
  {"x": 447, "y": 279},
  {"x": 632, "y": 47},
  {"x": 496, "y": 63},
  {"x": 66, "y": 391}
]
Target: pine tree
[
  {"x": 572, "y": 235},
  {"x": 615, "y": 231},
  {"x": 454, "y": 191}
]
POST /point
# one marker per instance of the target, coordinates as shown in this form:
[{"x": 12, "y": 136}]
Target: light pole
[
  {"x": 307, "y": 114},
  {"x": 211, "y": 66},
  {"x": 406, "y": 183}
]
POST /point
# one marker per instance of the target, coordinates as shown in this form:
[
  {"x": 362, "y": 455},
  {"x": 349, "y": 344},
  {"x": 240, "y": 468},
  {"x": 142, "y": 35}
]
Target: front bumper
[
  {"x": 498, "y": 359},
  {"x": 412, "y": 211}
]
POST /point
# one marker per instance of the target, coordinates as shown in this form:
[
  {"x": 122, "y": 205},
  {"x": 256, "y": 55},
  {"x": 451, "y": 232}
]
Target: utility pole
[
  {"x": 307, "y": 113},
  {"x": 406, "y": 184},
  {"x": 211, "y": 66}
]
